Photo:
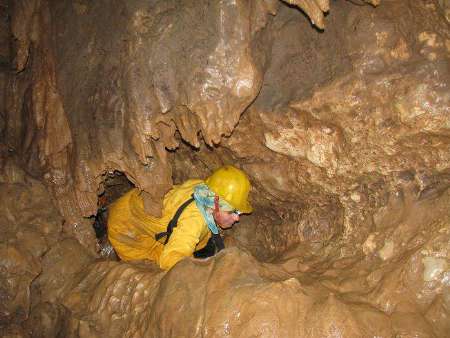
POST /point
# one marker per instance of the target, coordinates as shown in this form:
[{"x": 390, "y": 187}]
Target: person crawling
[{"x": 189, "y": 226}]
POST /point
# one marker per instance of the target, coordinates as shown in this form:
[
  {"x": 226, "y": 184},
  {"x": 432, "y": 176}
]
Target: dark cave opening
[{"x": 114, "y": 185}]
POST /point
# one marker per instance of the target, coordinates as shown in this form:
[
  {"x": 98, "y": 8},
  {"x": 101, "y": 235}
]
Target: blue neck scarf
[{"x": 204, "y": 199}]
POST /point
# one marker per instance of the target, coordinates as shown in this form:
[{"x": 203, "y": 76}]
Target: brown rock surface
[
  {"x": 35, "y": 264},
  {"x": 195, "y": 73},
  {"x": 29, "y": 225},
  {"x": 344, "y": 132},
  {"x": 230, "y": 295}
]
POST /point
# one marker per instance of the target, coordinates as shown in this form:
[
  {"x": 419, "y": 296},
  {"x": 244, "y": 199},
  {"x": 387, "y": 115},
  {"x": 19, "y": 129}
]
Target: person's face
[{"x": 226, "y": 219}]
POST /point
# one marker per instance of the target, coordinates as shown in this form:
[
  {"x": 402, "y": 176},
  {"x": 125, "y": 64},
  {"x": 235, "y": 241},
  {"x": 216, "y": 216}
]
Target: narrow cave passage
[{"x": 113, "y": 186}]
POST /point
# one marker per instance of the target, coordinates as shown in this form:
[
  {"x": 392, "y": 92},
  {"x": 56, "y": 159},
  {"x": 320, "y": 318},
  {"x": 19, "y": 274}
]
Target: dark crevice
[{"x": 114, "y": 185}]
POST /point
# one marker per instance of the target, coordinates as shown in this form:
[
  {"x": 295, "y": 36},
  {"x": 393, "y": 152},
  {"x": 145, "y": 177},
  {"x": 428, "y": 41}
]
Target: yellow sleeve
[{"x": 184, "y": 238}]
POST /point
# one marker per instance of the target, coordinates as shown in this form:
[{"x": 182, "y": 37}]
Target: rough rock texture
[
  {"x": 344, "y": 132},
  {"x": 348, "y": 167},
  {"x": 331, "y": 161},
  {"x": 230, "y": 295},
  {"x": 315, "y": 9},
  {"x": 190, "y": 68},
  {"x": 29, "y": 225},
  {"x": 36, "y": 261},
  {"x": 234, "y": 295},
  {"x": 172, "y": 66}
]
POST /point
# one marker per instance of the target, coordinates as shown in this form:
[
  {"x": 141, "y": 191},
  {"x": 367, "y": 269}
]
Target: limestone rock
[
  {"x": 18, "y": 269},
  {"x": 29, "y": 225},
  {"x": 60, "y": 267},
  {"x": 228, "y": 295},
  {"x": 344, "y": 133}
]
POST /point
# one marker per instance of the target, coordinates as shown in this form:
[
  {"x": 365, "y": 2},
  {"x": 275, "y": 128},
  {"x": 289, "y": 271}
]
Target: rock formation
[{"x": 338, "y": 111}]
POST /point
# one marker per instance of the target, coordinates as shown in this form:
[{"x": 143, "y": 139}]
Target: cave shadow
[{"x": 114, "y": 185}]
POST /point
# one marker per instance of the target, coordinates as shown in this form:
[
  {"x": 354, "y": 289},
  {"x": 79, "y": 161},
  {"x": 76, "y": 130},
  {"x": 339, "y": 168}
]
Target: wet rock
[
  {"x": 411, "y": 325},
  {"x": 195, "y": 74},
  {"x": 228, "y": 295},
  {"x": 247, "y": 299},
  {"x": 387, "y": 251},
  {"x": 319, "y": 143},
  {"x": 438, "y": 316},
  {"x": 28, "y": 205},
  {"x": 13, "y": 331},
  {"x": 331, "y": 317},
  {"x": 434, "y": 268},
  {"x": 11, "y": 172},
  {"x": 46, "y": 320},
  {"x": 117, "y": 299},
  {"x": 18, "y": 269},
  {"x": 33, "y": 241},
  {"x": 344, "y": 134},
  {"x": 83, "y": 231},
  {"x": 60, "y": 266},
  {"x": 29, "y": 225}
]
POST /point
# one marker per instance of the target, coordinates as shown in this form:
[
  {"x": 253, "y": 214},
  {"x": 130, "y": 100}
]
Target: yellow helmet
[{"x": 231, "y": 184}]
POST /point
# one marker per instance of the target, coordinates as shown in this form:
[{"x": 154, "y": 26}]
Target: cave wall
[
  {"x": 88, "y": 99},
  {"x": 51, "y": 285},
  {"x": 344, "y": 133},
  {"x": 375, "y": 124},
  {"x": 333, "y": 159},
  {"x": 351, "y": 172}
]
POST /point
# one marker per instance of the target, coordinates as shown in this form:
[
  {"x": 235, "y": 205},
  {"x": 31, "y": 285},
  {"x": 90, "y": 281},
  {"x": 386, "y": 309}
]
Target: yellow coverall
[{"x": 132, "y": 231}]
